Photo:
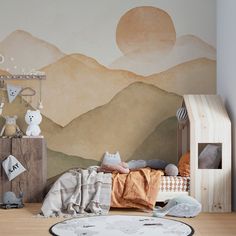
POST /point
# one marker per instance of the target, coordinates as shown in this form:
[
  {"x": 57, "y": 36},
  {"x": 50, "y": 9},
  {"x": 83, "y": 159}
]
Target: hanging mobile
[
  {"x": 40, "y": 103},
  {"x": 1, "y": 107},
  {"x": 28, "y": 92},
  {"x": 2, "y": 87}
]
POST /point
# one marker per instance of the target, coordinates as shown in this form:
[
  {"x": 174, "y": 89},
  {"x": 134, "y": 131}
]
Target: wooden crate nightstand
[{"x": 31, "y": 152}]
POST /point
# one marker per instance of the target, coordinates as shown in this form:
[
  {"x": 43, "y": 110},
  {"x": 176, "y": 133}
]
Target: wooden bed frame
[{"x": 208, "y": 124}]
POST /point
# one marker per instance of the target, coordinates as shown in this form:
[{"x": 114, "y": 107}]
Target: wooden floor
[{"x": 23, "y": 222}]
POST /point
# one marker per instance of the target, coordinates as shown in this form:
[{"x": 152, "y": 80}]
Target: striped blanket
[{"x": 79, "y": 191}]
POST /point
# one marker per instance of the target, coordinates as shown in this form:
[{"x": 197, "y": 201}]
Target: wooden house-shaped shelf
[{"x": 208, "y": 124}]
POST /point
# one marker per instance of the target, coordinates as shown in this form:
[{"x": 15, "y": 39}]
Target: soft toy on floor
[
  {"x": 182, "y": 206},
  {"x": 11, "y": 201},
  {"x": 33, "y": 119},
  {"x": 10, "y": 128}
]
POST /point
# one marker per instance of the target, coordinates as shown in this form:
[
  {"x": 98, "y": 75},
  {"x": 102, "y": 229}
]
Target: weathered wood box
[{"x": 31, "y": 152}]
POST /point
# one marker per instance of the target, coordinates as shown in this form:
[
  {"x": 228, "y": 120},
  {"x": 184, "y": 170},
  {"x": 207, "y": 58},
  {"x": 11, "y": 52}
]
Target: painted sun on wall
[{"x": 123, "y": 97}]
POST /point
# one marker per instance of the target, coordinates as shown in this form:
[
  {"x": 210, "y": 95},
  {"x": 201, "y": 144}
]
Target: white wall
[{"x": 226, "y": 67}]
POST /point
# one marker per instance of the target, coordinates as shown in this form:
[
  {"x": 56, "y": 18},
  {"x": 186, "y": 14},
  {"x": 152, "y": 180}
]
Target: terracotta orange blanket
[{"x": 138, "y": 189}]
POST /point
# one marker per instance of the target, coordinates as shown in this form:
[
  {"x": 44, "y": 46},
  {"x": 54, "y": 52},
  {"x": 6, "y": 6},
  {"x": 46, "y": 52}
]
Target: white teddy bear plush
[{"x": 33, "y": 119}]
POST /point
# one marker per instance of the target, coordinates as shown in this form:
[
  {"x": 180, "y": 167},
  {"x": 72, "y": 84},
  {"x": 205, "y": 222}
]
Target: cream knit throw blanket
[{"x": 77, "y": 192}]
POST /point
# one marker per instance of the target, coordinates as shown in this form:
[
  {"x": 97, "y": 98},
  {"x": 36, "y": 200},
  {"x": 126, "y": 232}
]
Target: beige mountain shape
[
  {"x": 88, "y": 61},
  {"x": 160, "y": 144},
  {"x": 194, "y": 77},
  {"x": 77, "y": 84},
  {"x": 24, "y": 52},
  {"x": 186, "y": 48},
  {"x": 122, "y": 124}
]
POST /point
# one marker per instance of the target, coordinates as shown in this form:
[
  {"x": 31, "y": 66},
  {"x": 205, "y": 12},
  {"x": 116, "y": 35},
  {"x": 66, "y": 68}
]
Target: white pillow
[
  {"x": 111, "y": 159},
  {"x": 210, "y": 157}
]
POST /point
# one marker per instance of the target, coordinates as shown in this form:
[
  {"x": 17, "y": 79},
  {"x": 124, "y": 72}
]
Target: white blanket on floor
[{"x": 79, "y": 191}]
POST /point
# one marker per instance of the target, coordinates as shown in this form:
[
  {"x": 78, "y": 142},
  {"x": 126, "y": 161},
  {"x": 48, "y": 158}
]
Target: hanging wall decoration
[
  {"x": 28, "y": 93},
  {"x": 12, "y": 167},
  {"x": 12, "y": 92},
  {"x": 1, "y": 107},
  {"x": 40, "y": 103}
]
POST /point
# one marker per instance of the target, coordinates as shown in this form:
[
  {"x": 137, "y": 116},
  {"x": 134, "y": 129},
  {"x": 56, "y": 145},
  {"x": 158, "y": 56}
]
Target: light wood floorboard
[{"x": 23, "y": 222}]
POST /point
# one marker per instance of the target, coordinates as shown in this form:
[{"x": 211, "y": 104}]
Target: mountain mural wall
[{"x": 127, "y": 105}]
